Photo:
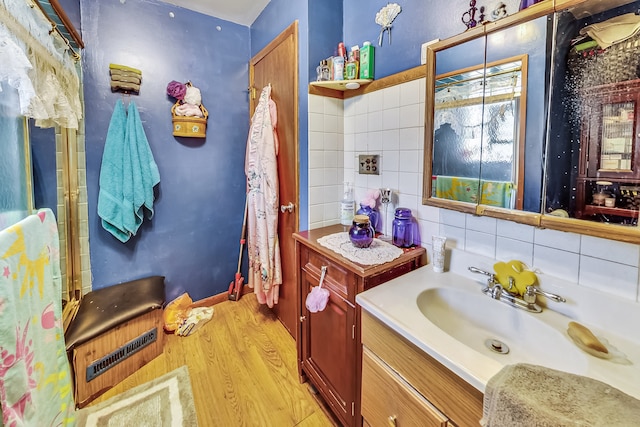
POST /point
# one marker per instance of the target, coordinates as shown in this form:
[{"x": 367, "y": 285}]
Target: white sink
[{"x": 473, "y": 318}]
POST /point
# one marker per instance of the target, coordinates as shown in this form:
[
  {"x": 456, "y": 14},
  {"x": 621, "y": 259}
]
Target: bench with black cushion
[{"x": 117, "y": 330}]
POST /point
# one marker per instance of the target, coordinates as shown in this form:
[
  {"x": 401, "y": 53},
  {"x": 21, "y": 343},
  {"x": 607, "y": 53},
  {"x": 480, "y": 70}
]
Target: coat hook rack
[{"x": 125, "y": 79}]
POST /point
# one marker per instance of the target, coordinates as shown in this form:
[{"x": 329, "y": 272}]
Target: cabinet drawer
[
  {"x": 387, "y": 400},
  {"x": 446, "y": 391},
  {"x": 339, "y": 279}
]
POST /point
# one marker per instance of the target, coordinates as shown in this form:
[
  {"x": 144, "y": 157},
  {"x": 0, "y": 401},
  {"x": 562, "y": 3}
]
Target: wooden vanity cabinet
[
  {"x": 329, "y": 346},
  {"x": 610, "y": 150},
  {"x": 404, "y": 386}
]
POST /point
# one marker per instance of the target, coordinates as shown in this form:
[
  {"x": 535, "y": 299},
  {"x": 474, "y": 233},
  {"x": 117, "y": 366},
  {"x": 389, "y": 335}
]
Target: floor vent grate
[{"x": 107, "y": 362}]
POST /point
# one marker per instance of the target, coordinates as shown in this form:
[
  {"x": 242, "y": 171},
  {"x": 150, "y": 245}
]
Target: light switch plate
[{"x": 369, "y": 164}]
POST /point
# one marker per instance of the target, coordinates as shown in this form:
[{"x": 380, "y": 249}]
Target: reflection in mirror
[
  {"x": 455, "y": 144},
  {"x": 531, "y": 40},
  {"x": 16, "y": 194},
  {"x": 593, "y": 166},
  {"x": 476, "y": 120}
]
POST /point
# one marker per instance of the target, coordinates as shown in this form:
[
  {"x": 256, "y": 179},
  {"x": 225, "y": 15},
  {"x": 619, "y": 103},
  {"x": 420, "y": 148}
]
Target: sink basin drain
[{"x": 496, "y": 346}]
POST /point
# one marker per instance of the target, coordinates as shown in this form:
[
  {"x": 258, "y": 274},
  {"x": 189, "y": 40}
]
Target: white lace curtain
[{"x": 35, "y": 62}]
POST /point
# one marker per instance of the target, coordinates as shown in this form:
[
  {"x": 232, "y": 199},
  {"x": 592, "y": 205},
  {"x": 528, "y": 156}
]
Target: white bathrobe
[{"x": 261, "y": 168}]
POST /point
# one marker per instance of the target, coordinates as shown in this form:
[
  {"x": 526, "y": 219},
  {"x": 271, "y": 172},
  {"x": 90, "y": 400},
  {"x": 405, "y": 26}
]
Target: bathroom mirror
[
  {"x": 556, "y": 180},
  {"x": 479, "y": 115},
  {"x": 457, "y": 125},
  {"x": 593, "y": 162},
  {"x": 508, "y": 173}
]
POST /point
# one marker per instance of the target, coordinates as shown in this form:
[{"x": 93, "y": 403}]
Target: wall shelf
[{"x": 340, "y": 84}]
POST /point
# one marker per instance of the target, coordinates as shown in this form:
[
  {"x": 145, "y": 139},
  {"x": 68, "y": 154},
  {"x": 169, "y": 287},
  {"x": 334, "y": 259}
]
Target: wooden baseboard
[{"x": 217, "y": 299}]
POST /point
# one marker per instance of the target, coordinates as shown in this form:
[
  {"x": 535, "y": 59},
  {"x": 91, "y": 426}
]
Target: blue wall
[
  {"x": 420, "y": 21},
  {"x": 193, "y": 239}
]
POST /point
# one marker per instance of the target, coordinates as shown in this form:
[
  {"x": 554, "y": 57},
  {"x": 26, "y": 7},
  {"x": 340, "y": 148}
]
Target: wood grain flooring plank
[{"x": 242, "y": 367}]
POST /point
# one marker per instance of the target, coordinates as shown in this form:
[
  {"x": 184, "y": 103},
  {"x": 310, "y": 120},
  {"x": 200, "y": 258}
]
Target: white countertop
[{"x": 394, "y": 303}]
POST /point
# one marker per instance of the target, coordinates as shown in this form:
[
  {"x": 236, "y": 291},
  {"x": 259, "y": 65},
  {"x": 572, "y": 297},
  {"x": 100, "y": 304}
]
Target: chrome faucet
[
  {"x": 532, "y": 291},
  {"x": 528, "y": 300},
  {"x": 491, "y": 277}
]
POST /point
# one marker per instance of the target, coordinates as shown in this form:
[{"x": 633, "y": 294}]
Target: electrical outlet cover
[{"x": 369, "y": 164}]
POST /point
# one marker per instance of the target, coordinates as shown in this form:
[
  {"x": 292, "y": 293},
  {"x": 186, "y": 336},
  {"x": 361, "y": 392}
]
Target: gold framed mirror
[{"x": 541, "y": 155}]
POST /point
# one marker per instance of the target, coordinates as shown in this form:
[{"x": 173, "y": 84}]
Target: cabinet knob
[
  {"x": 302, "y": 318},
  {"x": 392, "y": 421}
]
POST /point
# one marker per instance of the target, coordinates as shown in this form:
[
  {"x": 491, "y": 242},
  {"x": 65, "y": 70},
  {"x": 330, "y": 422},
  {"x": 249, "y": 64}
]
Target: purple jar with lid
[
  {"x": 361, "y": 233},
  {"x": 403, "y": 228}
]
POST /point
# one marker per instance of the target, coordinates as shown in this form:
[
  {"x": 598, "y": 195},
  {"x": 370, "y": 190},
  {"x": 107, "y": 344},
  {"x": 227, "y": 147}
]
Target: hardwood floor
[{"x": 242, "y": 366}]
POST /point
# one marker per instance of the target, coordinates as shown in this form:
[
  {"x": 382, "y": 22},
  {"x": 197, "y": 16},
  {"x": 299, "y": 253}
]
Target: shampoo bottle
[{"x": 347, "y": 205}]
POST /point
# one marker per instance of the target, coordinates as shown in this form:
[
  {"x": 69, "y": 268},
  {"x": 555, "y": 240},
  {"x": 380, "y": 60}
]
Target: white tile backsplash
[
  {"x": 375, "y": 101},
  {"x": 391, "y": 118},
  {"x": 509, "y": 249},
  {"x": 391, "y": 140},
  {"x": 480, "y": 243},
  {"x": 515, "y": 231},
  {"x": 410, "y": 139},
  {"x": 331, "y": 140},
  {"x": 556, "y": 262},
  {"x": 557, "y": 239},
  {"x": 374, "y": 121},
  {"x": 410, "y": 93},
  {"x": 620, "y": 279},
  {"x": 391, "y": 97},
  {"x": 409, "y": 161},
  {"x": 390, "y": 161},
  {"x": 410, "y": 116},
  {"x": 611, "y": 250},
  {"x": 316, "y": 104},
  {"x": 454, "y": 218},
  {"x": 481, "y": 223},
  {"x": 390, "y": 122},
  {"x": 374, "y": 142}
]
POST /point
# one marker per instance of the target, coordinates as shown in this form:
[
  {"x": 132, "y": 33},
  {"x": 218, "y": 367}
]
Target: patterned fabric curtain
[{"x": 35, "y": 62}]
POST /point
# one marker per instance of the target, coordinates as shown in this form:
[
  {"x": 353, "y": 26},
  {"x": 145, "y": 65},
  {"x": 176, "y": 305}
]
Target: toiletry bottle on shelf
[
  {"x": 347, "y": 205},
  {"x": 353, "y": 64},
  {"x": 338, "y": 68},
  {"x": 367, "y": 59}
]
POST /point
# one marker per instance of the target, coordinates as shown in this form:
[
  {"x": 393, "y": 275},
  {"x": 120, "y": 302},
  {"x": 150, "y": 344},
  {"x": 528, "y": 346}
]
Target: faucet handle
[
  {"x": 530, "y": 295},
  {"x": 492, "y": 277}
]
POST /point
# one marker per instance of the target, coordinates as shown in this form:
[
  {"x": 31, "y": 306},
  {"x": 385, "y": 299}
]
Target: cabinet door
[
  {"x": 328, "y": 348},
  {"x": 613, "y": 147}
]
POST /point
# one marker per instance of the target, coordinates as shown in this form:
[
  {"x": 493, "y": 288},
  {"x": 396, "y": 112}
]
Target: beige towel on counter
[{"x": 526, "y": 395}]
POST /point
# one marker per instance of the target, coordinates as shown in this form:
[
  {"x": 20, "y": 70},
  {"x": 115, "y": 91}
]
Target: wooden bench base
[{"x": 117, "y": 342}]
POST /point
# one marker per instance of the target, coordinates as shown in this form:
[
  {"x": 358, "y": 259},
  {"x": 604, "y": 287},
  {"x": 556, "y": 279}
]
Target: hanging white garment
[
  {"x": 37, "y": 64},
  {"x": 261, "y": 169}
]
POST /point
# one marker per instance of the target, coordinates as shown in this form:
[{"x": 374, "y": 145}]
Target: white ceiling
[{"x": 242, "y": 12}]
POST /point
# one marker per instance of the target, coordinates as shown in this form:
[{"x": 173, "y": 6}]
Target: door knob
[{"x": 284, "y": 208}]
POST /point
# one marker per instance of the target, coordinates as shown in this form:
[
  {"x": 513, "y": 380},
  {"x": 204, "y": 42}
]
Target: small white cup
[{"x": 610, "y": 202}]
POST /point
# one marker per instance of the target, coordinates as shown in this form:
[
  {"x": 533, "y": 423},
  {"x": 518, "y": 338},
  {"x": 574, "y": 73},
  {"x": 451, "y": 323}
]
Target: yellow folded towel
[{"x": 124, "y": 68}]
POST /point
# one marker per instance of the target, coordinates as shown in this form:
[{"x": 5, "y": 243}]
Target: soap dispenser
[{"x": 347, "y": 205}]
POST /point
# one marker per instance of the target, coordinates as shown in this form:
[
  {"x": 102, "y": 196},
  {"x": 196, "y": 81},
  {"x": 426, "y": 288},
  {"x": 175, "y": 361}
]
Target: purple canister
[{"x": 403, "y": 228}]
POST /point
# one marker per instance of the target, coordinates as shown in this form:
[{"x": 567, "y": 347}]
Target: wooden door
[
  {"x": 328, "y": 348},
  {"x": 277, "y": 64}
]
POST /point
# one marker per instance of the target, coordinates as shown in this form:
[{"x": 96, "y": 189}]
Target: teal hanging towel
[{"x": 127, "y": 175}]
